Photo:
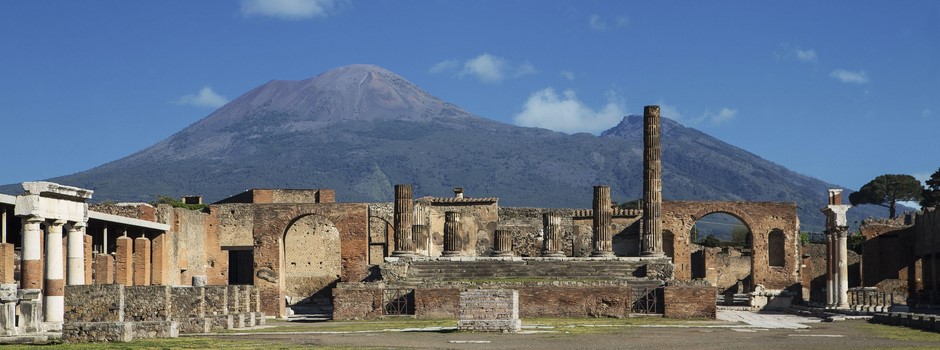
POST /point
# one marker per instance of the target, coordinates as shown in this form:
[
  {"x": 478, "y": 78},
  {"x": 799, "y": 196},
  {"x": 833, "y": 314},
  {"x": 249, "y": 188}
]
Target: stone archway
[{"x": 312, "y": 262}]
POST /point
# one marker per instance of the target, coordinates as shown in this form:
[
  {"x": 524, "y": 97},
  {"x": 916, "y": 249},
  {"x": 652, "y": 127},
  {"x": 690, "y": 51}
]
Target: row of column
[
  {"x": 406, "y": 231},
  {"x": 838, "y": 281}
]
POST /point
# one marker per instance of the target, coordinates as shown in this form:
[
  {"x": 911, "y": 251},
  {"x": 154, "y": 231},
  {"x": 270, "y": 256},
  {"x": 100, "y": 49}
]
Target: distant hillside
[{"x": 361, "y": 129}]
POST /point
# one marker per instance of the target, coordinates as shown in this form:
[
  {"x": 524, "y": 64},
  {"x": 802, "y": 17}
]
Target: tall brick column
[
  {"x": 159, "y": 263},
  {"x": 31, "y": 261},
  {"x": 502, "y": 243},
  {"x": 104, "y": 269},
  {"x": 141, "y": 261},
  {"x": 6, "y": 263},
  {"x": 452, "y": 246},
  {"x": 76, "y": 255},
  {"x": 54, "y": 290},
  {"x": 551, "y": 235},
  {"x": 403, "y": 211},
  {"x": 124, "y": 269},
  {"x": 651, "y": 242},
  {"x": 602, "y": 239},
  {"x": 89, "y": 258}
]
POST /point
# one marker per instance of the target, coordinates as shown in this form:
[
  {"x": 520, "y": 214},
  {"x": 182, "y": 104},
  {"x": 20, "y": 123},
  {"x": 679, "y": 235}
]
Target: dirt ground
[{"x": 838, "y": 335}]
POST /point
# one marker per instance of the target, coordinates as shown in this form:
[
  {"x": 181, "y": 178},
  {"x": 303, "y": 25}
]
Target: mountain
[{"x": 360, "y": 129}]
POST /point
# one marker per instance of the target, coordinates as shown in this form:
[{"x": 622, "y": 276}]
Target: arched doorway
[
  {"x": 311, "y": 262},
  {"x": 722, "y": 252}
]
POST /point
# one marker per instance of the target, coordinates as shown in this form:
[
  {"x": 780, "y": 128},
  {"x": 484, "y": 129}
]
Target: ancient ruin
[{"x": 297, "y": 253}]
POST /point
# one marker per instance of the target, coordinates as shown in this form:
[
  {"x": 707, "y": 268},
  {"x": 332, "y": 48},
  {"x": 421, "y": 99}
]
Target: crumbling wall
[
  {"x": 478, "y": 221},
  {"x": 234, "y": 224},
  {"x": 726, "y": 267},
  {"x": 143, "y": 211},
  {"x": 195, "y": 247},
  {"x": 576, "y": 231}
]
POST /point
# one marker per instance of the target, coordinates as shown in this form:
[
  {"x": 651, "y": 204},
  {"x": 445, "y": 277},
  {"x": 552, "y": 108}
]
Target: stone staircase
[
  {"x": 527, "y": 270},
  {"x": 314, "y": 310}
]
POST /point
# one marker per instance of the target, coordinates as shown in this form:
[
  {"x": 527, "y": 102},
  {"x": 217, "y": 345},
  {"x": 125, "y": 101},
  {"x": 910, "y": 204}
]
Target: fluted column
[
  {"x": 76, "y": 254},
  {"x": 502, "y": 243},
  {"x": 652, "y": 240},
  {"x": 830, "y": 270},
  {"x": 403, "y": 211},
  {"x": 31, "y": 262},
  {"x": 54, "y": 290},
  {"x": 843, "y": 283},
  {"x": 452, "y": 246},
  {"x": 551, "y": 235},
  {"x": 602, "y": 239}
]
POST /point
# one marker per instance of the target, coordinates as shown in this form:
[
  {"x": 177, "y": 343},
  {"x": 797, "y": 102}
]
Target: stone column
[
  {"x": 55, "y": 284},
  {"x": 141, "y": 261},
  {"x": 89, "y": 257},
  {"x": 602, "y": 239},
  {"x": 31, "y": 261},
  {"x": 104, "y": 269},
  {"x": 452, "y": 246},
  {"x": 551, "y": 235},
  {"x": 124, "y": 271},
  {"x": 651, "y": 243},
  {"x": 159, "y": 263},
  {"x": 830, "y": 270},
  {"x": 76, "y": 255},
  {"x": 502, "y": 243},
  {"x": 843, "y": 285},
  {"x": 403, "y": 211}
]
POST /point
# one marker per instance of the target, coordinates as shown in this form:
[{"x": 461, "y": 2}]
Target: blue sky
[{"x": 839, "y": 90}]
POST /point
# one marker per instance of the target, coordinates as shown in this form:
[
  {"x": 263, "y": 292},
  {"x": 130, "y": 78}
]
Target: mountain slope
[{"x": 361, "y": 129}]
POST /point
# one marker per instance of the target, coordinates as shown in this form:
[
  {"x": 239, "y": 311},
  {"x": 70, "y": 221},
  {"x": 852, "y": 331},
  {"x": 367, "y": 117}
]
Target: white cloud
[
  {"x": 724, "y": 115},
  {"x": 485, "y": 67},
  {"x": 444, "y": 66},
  {"x": 806, "y": 55},
  {"x": 288, "y": 9},
  {"x": 598, "y": 23},
  {"x": 205, "y": 98},
  {"x": 567, "y": 74},
  {"x": 846, "y": 76},
  {"x": 566, "y": 113}
]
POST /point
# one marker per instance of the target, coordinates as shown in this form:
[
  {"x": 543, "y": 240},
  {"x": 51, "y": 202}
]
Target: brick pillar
[
  {"x": 124, "y": 269},
  {"x": 88, "y": 257},
  {"x": 651, "y": 241},
  {"x": 54, "y": 290},
  {"x": 159, "y": 273},
  {"x": 6, "y": 263},
  {"x": 141, "y": 261},
  {"x": 104, "y": 269},
  {"x": 75, "y": 251},
  {"x": 551, "y": 235},
  {"x": 403, "y": 212},
  {"x": 452, "y": 246},
  {"x": 502, "y": 243},
  {"x": 31, "y": 260},
  {"x": 602, "y": 239}
]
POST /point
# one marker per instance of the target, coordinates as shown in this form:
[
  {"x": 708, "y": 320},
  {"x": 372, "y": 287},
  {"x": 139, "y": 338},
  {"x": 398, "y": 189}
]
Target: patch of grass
[
  {"x": 171, "y": 343},
  {"x": 351, "y": 326},
  {"x": 627, "y": 321},
  {"x": 897, "y": 332}
]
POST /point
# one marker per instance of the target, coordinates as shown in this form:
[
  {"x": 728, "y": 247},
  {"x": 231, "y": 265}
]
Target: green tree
[
  {"x": 931, "y": 194},
  {"x": 887, "y": 190}
]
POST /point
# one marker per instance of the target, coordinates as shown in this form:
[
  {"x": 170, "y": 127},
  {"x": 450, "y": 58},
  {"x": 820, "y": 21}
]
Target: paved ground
[{"x": 755, "y": 331}]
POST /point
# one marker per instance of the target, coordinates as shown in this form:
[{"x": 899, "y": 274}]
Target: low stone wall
[
  {"x": 689, "y": 302},
  {"x": 924, "y": 322},
  {"x": 355, "y": 301},
  {"x": 434, "y": 303}
]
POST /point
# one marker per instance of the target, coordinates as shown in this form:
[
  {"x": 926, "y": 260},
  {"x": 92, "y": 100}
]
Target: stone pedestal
[
  {"x": 551, "y": 235},
  {"x": 651, "y": 240},
  {"x": 452, "y": 241},
  {"x": 502, "y": 243},
  {"x": 403, "y": 214},
  {"x": 603, "y": 213},
  {"x": 30, "y": 311},
  {"x": 489, "y": 310},
  {"x": 8, "y": 299}
]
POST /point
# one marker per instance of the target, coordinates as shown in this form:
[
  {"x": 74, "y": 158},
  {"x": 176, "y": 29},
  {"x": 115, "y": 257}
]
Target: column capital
[
  {"x": 79, "y": 225},
  {"x": 33, "y": 219},
  {"x": 59, "y": 222}
]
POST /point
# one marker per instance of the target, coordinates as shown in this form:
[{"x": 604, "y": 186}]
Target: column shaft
[
  {"x": 141, "y": 261},
  {"x": 830, "y": 271},
  {"x": 452, "y": 241},
  {"x": 31, "y": 261},
  {"x": 76, "y": 255},
  {"x": 159, "y": 263},
  {"x": 89, "y": 257},
  {"x": 652, "y": 240},
  {"x": 124, "y": 269},
  {"x": 403, "y": 212},
  {"x": 843, "y": 268},
  {"x": 502, "y": 243},
  {"x": 104, "y": 269},
  {"x": 551, "y": 235},
  {"x": 55, "y": 284},
  {"x": 603, "y": 213}
]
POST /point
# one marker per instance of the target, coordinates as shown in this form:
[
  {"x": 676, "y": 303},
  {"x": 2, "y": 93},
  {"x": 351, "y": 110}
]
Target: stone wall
[
  {"x": 478, "y": 221},
  {"x": 489, "y": 310},
  {"x": 888, "y": 253},
  {"x": 94, "y": 303},
  {"x": 235, "y": 222},
  {"x": 147, "y": 303},
  {"x": 689, "y": 302},
  {"x": 575, "y": 229},
  {"x": 725, "y": 268},
  {"x": 382, "y": 232},
  {"x": 141, "y": 211},
  {"x": 436, "y": 303},
  {"x": 357, "y": 301}
]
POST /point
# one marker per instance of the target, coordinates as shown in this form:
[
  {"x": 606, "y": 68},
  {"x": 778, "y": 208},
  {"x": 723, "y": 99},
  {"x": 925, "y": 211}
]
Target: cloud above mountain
[
  {"x": 566, "y": 113},
  {"x": 288, "y": 9},
  {"x": 486, "y": 68},
  {"x": 206, "y": 97}
]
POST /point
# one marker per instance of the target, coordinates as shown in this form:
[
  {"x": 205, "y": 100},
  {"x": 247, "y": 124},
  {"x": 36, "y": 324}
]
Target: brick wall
[
  {"x": 432, "y": 303},
  {"x": 354, "y": 301},
  {"x": 689, "y": 302}
]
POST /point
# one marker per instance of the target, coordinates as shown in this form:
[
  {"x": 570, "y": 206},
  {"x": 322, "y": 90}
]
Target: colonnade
[{"x": 837, "y": 276}]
